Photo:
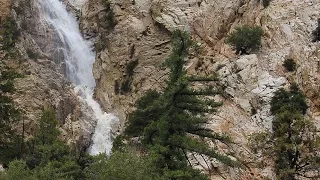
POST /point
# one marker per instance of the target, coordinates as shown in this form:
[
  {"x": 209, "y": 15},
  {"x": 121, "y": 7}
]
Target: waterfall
[{"x": 79, "y": 59}]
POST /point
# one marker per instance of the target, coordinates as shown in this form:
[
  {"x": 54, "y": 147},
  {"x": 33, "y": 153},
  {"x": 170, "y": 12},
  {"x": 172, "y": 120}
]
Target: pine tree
[
  {"x": 172, "y": 123},
  {"x": 294, "y": 142},
  {"x": 10, "y": 141},
  {"x": 46, "y": 154}
]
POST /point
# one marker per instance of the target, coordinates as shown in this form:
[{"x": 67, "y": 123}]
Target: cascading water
[{"x": 79, "y": 59}]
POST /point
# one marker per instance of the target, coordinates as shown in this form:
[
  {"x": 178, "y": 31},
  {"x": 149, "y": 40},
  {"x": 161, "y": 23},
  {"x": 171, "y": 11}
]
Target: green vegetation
[
  {"x": 45, "y": 146},
  {"x": 290, "y": 100},
  {"x": 31, "y": 54},
  {"x": 316, "y": 33},
  {"x": 10, "y": 141},
  {"x": 10, "y": 144},
  {"x": 294, "y": 142},
  {"x": 46, "y": 157},
  {"x": 128, "y": 78},
  {"x": 10, "y": 34},
  {"x": 172, "y": 124},
  {"x": 122, "y": 165},
  {"x": 290, "y": 65},
  {"x": 245, "y": 39},
  {"x": 17, "y": 170},
  {"x": 110, "y": 19}
]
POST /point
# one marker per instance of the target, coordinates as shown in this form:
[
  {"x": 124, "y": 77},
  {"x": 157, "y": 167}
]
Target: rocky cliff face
[
  {"x": 136, "y": 38},
  {"x": 142, "y": 34},
  {"x": 5, "y": 9},
  {"x": 39, "y": 60}
]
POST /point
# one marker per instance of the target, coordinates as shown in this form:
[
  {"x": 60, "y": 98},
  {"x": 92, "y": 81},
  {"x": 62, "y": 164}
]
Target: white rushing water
[{"x": 79, "y": 59}]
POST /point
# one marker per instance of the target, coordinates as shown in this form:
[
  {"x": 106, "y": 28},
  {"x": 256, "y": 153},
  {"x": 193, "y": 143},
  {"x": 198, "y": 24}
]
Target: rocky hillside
[{"x": 141, "y": 37}]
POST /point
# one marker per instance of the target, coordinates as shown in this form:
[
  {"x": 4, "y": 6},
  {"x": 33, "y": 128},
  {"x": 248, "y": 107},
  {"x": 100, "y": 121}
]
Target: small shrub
[
  {"x": 220, "y": 66},
  {"x": 9, "y": 75},
  {"x": 130, "y": 67},
  {"x": 245, "y": 39},
  {"x": 101, "y": 44},
  {"x": 266, "y": 3},
  {"x": 32, "y": 55},
  {"x": 316, "y": 33},
  {"x": 111, "y": 21},
  {"x": 290, "y": 65},
  {"x": 126, "y": 83},
  {"x": 7, "y": 87},
  {"x": 116, "y": 86},
  {"x": 254, "y": 111}
]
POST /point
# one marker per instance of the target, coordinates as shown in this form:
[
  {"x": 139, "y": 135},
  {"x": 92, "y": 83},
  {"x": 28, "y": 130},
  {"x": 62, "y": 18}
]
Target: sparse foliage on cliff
[
  {"x": 245, "y": 39},
  {"x": 172, "y": 124},
  {"x": 128, "y": 77},
  {"x": 10, "y": 33},
  {"x": 110, "y": 18},
  {"x": 290, "y": 65},
  {"x": 265, "y": 3},
  {"x": 293, "y": 142}
]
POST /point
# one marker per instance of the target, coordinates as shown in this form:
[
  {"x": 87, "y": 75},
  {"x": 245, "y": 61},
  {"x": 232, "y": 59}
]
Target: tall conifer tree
[{"x": 173, "y": 123}]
